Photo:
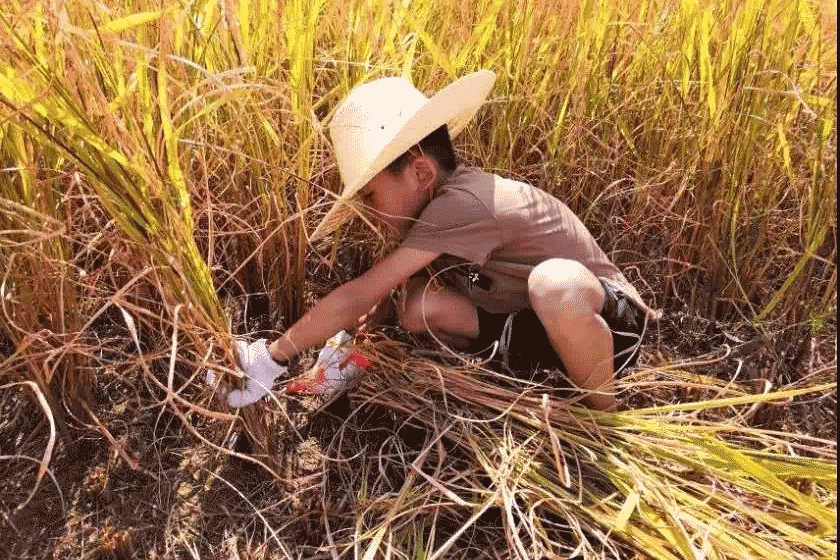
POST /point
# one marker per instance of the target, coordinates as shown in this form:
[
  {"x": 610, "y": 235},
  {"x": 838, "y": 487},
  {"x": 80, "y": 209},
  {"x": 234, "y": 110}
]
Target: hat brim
[{"x": 454, "y": 106}]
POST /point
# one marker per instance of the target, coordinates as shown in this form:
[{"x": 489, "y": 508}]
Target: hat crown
[{"x": 368, "y": 120}]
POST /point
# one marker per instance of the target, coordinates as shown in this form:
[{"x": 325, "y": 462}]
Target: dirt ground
[{"x": 155, "y": 491}]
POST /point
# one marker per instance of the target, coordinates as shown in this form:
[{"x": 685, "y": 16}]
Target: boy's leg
[
  {"x": 446, "y": 313},
  {"x": 568, "y": 298}
]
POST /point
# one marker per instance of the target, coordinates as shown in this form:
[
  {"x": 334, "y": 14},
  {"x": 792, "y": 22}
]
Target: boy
[{"x": 499, "y": 247}]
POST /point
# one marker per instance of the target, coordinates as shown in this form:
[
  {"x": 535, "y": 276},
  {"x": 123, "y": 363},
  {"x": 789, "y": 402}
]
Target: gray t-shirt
[{"x": 494, "y": 231}]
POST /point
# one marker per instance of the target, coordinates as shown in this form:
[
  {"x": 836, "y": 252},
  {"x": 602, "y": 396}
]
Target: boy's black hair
[{"x": 437, "y": 145}]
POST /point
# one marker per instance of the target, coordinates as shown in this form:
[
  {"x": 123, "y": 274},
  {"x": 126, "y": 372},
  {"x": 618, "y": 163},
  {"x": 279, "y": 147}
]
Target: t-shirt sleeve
[{"x": 458, "y": 223}]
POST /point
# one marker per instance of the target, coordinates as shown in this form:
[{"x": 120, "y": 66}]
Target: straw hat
[{"x": 380, "y": 120}]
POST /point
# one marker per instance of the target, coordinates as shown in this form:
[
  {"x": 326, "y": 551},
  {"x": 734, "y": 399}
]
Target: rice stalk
[
  {"x": 147, "y": 200},
  {"x": 681, "y": 487},
  {"x": 169, "y": 163}
]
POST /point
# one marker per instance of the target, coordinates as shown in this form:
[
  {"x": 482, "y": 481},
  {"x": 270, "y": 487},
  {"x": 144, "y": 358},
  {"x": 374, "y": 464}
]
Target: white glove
[
  {"x": 260, "y": 372},
  {"x": 336, "y": 366}
]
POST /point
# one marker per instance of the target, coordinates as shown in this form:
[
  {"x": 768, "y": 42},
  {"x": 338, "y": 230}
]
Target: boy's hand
[
  {"x": 336, "y": 366},
  {"x": 260, "y": 372}
]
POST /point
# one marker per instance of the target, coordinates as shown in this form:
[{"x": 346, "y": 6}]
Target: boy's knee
[
  {"x": 440, "y": 310},
  {"x": 413, "y": 312},
  {"x": 557, "y": 286},
  {"x": 411, "y": 317}
]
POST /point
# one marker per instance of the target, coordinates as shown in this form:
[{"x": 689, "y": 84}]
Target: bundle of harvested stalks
[{"x": 659, "y": 482}]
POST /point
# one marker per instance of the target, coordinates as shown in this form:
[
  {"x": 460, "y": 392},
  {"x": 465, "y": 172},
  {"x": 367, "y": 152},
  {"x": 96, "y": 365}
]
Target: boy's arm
[{"x": 346, "y": 304}]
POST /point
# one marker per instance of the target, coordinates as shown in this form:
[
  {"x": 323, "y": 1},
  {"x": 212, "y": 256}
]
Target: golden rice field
[{"x": 163, "y": 166}]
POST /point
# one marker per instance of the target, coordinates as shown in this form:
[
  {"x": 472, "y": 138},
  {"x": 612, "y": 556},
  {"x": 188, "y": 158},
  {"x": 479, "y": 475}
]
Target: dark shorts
[{"x": 529, "y": 348}]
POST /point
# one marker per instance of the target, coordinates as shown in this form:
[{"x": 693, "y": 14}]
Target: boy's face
[{"x": 395, "y": 201}]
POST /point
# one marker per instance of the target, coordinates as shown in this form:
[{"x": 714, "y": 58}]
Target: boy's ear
[{"x": 425, "y": 171}]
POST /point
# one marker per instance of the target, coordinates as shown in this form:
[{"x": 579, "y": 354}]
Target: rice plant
[{"x": 162, "y": 169}]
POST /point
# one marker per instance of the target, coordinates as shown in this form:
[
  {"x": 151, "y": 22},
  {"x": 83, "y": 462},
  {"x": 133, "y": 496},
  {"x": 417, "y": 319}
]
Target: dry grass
[{"x": 161, "y": 170}]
